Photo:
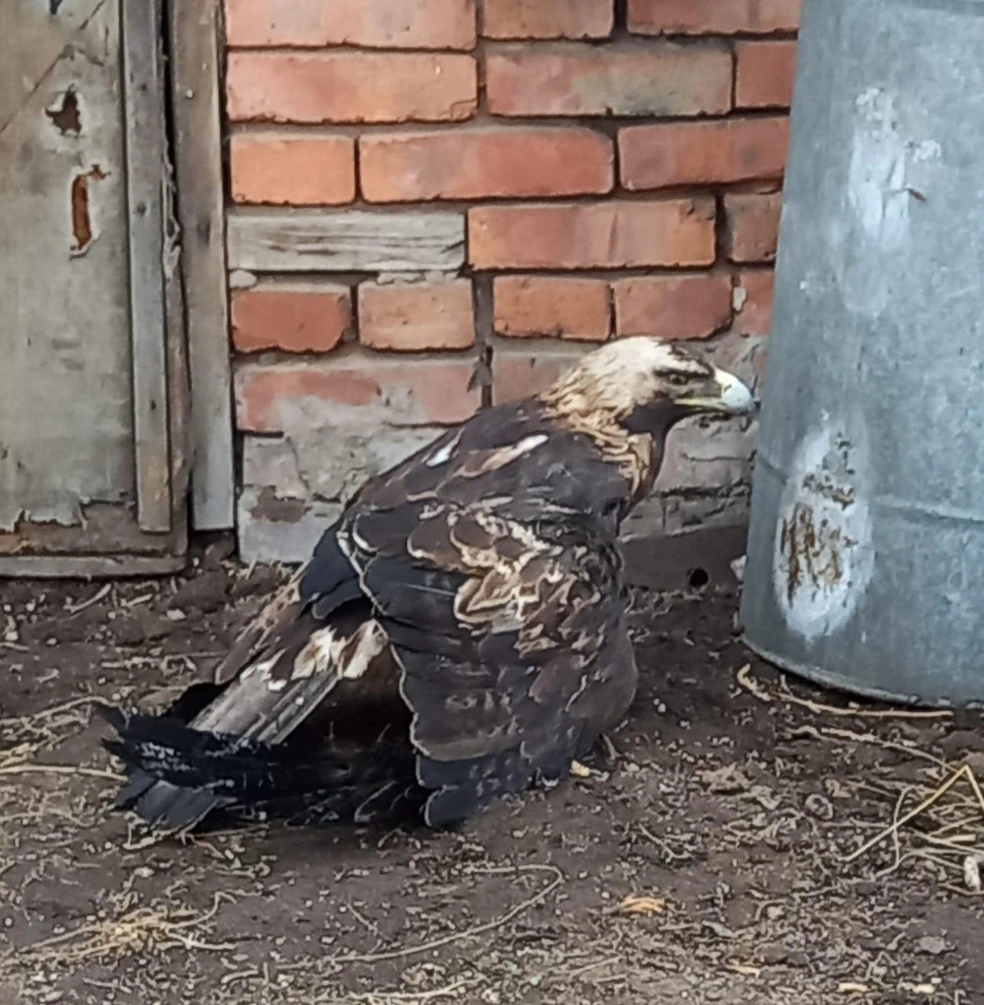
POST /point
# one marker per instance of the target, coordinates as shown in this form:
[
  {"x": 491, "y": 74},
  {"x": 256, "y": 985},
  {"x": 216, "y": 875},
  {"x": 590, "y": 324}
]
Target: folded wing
[{"x": 505, "y": 609}]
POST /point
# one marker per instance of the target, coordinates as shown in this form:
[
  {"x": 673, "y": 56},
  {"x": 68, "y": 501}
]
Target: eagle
[{"x": 458, "y": 634}]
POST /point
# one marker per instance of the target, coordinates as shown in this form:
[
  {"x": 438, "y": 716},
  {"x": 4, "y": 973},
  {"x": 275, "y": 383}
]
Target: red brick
[
  {"x": 412, "y": 317},
  {"x": 570, "y": 79},
  {"x": 384, "y": 24},
  {"x": 755, "y": 289},
  {"x": 672, "y": 307},
  {"x": 350, "y": 87},
  {"x": 292, "y": 170},
  {"x": 520, "y": 373},
  {"x": 702, "y": 153},
  {"x": 482, "y": 163},
  {"x": 553, "y": 19},
  {"x": 764, "y": 74},
  {"x": 753, "y": 225},
  {"x": 269, "y": 396},
  {"x": 294, "y": 317},
  {"x": 535, "y": 306},
  {"x": 712, "y": 17},
  {"x": 608, "y": 235}
]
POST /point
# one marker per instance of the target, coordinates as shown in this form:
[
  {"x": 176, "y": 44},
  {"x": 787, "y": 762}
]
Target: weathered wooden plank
[
  {"x": 89, "y": 566},
  {"x": 145, "y": 167},
  {"x": 346, "y": 241},
  {"x": 103, "y": 529},
  {"x": 196, "y": 102}
]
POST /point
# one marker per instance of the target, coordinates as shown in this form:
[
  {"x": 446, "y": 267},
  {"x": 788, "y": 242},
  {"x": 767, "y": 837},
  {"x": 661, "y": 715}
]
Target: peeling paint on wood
[
  {"x": 83, "y": 229},
  {"x": 38, "y": 43},
  {"x": 65, "y": 113}
]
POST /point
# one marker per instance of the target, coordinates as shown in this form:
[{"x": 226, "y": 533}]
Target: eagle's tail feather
[{"x": 192, "y": 772}]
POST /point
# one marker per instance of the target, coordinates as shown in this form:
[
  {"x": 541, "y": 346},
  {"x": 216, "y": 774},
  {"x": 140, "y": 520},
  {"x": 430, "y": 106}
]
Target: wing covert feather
[{"x": 494, "y": 571}]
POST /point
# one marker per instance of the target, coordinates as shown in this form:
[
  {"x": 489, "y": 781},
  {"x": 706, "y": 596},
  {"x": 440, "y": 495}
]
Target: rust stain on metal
[
  {"x": 66, "y": 116},
  {"x": 824, "y": 552},
  {"x": 843, "y": 497},
  {"x": 81, "y": 219},
  {"x": 812, "y": 551}
]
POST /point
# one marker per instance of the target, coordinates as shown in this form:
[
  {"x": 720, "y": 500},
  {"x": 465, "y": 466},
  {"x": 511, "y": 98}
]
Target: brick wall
[{"x": 436, "y": 204}]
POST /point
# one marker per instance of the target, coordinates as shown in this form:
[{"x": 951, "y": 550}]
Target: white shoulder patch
[
  {"x": 443, "y": 455},
  {"x": 528, "y": 443}
]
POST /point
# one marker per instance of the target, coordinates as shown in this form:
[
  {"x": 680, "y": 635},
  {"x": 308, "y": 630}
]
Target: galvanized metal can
[{"x": 865, "y": 565}]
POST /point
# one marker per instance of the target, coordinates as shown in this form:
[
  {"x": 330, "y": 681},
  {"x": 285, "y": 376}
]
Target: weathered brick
[
  {"x": 663, "y": 154},
  {"x": 764, "y": 74},
  {"x": 570, "y": 79},
  {"x": 519, "y": 19},
  {"x": 712, "y": 17},
  {"x": 672, "y": 307},
  {"x": 292, "y": 170},
  {"x": 272, "y": 529},
  {"x": 350, "y": 87},
  {"x": 645, "y": 521},
  {"x": 753, "y": 297},
  {"x": 521, "y": 372},
  {"x": 385, "y": 24},
  {"x": 412, "y": 317},
  {"x": 484, "y": 163},
  {"x": 272, "y": 463},
  {"x": 536, "y": 306},
  {"x": 609, "y": 235},
  {"x": 272, "y": 397},
  {"x": 752, "y": 225},
  {"x": 293, "y": 317},
  {"x": 698, "y": 457},
  {"x": 685, "y": 510}
]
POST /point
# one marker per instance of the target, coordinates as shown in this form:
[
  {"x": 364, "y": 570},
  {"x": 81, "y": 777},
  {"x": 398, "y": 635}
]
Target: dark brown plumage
[{"x": 458, "y": 634}]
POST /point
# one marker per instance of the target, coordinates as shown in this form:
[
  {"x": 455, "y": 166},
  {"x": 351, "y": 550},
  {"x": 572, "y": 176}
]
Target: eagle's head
[{"x": 646, "y": 385}]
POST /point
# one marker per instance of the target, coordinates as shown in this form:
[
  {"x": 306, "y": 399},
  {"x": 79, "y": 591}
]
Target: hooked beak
[{"x": 733, "y": 397}]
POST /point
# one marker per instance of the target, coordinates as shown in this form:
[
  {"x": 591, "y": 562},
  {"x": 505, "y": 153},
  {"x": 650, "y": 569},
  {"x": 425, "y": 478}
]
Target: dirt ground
[{"x": 709, "y": 866}]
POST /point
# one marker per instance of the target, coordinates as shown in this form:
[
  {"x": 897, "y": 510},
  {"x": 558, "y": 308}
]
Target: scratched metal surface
[{"x": 866, "y": 545}]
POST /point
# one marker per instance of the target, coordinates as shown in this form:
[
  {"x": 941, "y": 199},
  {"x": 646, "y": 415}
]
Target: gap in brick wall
[
  {"x": 667, "y": 193},
  {"x": 484, "y": 333},
  {"x": 621, "y": 16},
  {"x": 720, "y": 228},
  {"x": 357, "y": 168},
  {"x": 483, "y": 118}
]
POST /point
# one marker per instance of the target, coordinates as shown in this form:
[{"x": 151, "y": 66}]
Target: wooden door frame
[{"x": 196, "y": 45}]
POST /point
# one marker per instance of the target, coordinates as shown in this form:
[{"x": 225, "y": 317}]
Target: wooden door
[{"x": 92, "y": 375}]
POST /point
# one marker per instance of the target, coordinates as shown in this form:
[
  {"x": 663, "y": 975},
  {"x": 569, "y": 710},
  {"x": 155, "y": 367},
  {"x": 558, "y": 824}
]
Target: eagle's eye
[{"x": 678, "y": 379}]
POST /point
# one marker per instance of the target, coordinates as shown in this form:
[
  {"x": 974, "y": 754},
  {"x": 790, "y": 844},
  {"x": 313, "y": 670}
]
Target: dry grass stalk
[
  {"x": 141, "y": 930},
  {"x": 746, "y": 681},
  {"x": 963, "y": 773}
]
